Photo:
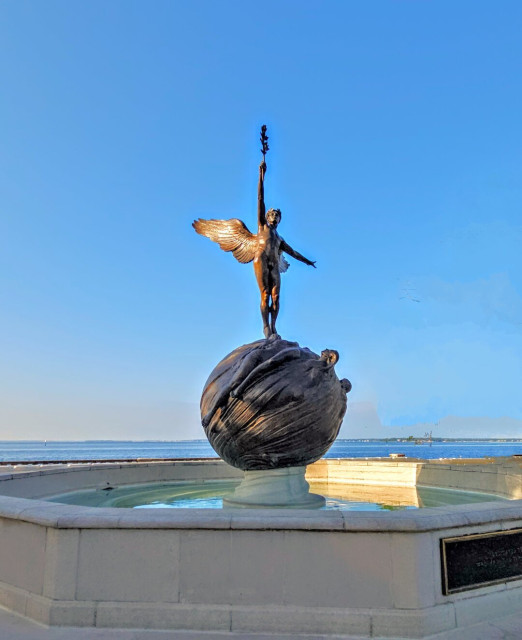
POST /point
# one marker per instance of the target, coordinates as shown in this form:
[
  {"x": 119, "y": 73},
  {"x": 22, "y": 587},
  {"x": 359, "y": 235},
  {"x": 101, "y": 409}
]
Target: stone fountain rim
[{"x": 41, "y": 512}]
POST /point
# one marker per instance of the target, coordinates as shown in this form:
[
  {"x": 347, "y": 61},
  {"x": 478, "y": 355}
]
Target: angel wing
[{"x": 231, "y": 235}]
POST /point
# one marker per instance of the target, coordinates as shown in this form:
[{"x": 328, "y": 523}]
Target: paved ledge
[{"x": 14, "y": 627}]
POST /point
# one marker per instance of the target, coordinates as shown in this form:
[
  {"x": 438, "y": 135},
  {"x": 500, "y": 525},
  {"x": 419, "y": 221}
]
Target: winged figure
[{"x": 265, "y": 248}]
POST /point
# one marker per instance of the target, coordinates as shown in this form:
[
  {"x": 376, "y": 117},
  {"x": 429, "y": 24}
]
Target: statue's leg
[
  {"x": 276, "y": 286},
  {"x": 265, "y": 312},
  {"x": 262, "y": 277}
]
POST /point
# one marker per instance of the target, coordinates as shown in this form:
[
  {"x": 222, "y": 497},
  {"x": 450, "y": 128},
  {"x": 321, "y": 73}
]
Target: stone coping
[
  {"x": 428, "y": 519},
  {"x": 41, "y": 512}
]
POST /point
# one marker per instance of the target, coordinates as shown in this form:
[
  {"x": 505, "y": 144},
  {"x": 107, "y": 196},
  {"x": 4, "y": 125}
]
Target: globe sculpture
[
  {"x": 272, "y": 404},
  {"x": 270, "y": 407}
]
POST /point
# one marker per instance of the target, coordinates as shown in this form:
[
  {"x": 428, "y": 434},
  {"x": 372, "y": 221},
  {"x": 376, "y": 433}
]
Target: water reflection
[{"x": 209, "y": 495}]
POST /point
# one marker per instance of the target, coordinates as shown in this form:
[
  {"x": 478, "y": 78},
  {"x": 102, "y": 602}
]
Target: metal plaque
[{"x": 479, "y": 560}]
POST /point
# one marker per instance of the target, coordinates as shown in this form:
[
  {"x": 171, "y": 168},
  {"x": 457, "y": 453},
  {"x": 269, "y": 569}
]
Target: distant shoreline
[{"x": 391, "y": 439}]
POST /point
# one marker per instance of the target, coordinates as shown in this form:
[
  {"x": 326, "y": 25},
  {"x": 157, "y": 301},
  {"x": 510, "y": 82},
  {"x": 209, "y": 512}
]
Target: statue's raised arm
[{"x": 261, "y": 210}]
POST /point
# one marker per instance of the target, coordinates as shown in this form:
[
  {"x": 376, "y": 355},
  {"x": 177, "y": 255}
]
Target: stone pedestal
[{"x": 286, "y": 488}]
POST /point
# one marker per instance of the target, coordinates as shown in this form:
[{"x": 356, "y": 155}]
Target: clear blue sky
[{"x": 396, "y": 158}]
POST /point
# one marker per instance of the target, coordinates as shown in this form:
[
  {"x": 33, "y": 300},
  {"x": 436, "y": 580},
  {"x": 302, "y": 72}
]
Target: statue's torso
[{"x": 269, "y": 245}]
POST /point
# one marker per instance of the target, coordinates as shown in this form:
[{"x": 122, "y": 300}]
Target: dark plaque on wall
[{"x": 470, "y": 562}]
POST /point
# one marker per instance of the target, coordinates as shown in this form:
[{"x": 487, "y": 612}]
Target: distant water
[{"x": 120, "y": 450}]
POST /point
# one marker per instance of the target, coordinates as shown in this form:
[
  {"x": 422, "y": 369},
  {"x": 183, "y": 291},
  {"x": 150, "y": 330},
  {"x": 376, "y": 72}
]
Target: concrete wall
[
  {"x": 41, "y": 481},
  {"x": 502, "y": 476},
  {"x": 381, "y": 472},
  {"x": 334, "y": 572}
]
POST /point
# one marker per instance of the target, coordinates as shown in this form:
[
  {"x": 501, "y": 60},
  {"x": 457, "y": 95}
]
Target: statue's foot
[{"x": 274, "y": 336}]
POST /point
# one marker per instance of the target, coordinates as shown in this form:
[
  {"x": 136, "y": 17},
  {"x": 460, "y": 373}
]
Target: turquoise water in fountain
[{"x": 209, "y": 495}]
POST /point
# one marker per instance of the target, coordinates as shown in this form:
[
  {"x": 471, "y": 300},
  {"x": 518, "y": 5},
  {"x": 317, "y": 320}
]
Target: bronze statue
[
  {"x": 265, "y": 248},
  {"x": 270, "y": 404}
]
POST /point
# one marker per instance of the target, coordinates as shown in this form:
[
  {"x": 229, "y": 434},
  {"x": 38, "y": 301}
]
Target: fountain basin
[
  {"x": 302, "y": 571},
  {"x": 215, "y": 494}
]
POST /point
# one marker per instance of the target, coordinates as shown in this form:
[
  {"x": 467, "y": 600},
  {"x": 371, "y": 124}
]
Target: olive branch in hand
[{"x": 264, "y": 141}]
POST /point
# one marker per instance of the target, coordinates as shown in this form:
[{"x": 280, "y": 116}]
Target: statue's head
[{"x": 273, "y": 217}]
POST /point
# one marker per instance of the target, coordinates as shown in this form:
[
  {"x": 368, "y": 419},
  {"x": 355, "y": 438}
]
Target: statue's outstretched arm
[
  {"x": 261, "y": 219},
  {"x": 295, "y": 254}
]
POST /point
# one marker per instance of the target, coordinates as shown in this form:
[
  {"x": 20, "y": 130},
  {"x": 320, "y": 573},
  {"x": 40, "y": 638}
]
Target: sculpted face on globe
[
  {"x": 346, "y": 385},
  {"x": 330, "y": 356}
]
